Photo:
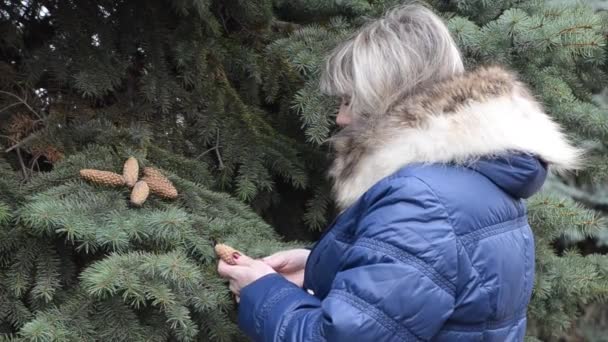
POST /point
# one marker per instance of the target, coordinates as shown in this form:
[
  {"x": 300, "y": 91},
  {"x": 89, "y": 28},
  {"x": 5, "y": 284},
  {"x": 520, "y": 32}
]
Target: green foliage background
[{"x": 223, "y": 96}]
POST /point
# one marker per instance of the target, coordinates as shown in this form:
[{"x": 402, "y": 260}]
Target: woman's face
[{"x": 344, "y": 115}]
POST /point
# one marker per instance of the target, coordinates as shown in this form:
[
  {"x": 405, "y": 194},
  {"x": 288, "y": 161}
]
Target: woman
[{"x": 431, "y": 170}]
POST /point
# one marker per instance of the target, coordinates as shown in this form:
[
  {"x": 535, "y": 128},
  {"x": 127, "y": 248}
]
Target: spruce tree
[
  {"x": 80, "y": 263},
  {"x": 193, "y": 69},
  {"x": 223, "y": 96},
  {"x": 178, "y": 85}
]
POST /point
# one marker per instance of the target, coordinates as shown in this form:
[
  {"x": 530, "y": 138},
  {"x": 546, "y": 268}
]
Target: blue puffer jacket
[{"x": 431, "y": 250}]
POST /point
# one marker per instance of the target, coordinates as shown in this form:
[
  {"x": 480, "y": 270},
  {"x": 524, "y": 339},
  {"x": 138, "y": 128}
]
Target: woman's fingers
[
  {"x": 234, "y": 289},
  {"x": 296, "y": 277},
  {"x": 223, "y": 269},
  {"x": 277, "y": 261},
  {"x": 228, "y": 271},
  {"x": 243, "y": 260},
  {"x": 246, "y": 271}
]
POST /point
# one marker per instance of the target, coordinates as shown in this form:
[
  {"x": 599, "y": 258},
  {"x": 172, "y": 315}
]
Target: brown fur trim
[
  {"x": 478, "y": 101},
  {"x": 443, "y": 98},
  {"x": 452, "y": 94}
]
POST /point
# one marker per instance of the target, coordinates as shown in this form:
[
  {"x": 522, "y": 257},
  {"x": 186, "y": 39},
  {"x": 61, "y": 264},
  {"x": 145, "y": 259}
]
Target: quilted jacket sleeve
[{"x": 396, "y": 284}]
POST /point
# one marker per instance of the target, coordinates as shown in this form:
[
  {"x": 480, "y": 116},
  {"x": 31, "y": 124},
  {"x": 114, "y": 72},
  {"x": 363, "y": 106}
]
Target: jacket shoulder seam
[
  {"x": 457, "y": 237},
  {"x": 495, "y": 229},
  {"x": 405, "y": 257},
  {"x": 448, "y": 218},
  {"x": 431, "y": 190}
]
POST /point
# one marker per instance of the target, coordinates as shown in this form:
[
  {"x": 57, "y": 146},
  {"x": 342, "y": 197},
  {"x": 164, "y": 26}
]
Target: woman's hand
[
  {"x": 245, "y": 272},
  {"x": 290, "y": 264}
]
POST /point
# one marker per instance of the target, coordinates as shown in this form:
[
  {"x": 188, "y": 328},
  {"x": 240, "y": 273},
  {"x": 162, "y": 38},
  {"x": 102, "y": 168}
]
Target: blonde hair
[{"x": 410, "y": 47}]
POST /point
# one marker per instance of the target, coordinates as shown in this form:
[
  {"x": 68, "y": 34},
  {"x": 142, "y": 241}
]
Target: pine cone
[
  {"x": 226, "y": 253},
  {"x": 140, "y": 193},
  {"x": 130, "y": 171},
  {"x": 153, "y": 172},
  {"x": 159, "y": 184},
  {"x": 102, "y": 177},
  {"x": 21, "y": 125}
]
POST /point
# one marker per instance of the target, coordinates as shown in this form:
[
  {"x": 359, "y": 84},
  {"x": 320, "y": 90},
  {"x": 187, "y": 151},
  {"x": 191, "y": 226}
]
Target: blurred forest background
[{"x": 222, "y": 96}]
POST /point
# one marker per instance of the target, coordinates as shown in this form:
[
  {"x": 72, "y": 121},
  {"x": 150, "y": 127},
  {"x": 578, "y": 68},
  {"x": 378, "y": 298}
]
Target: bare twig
[
  {"x": 580, "y": 45},
  {"x": 284, "y": 26},
  {"x": 217, "y": 150},
  {"x": 23, "y": 168},
  {"x": 35, "y": 163},
  {"x": 209, "y": 150},
  {"x": 223, "y": 21},
  {"x": 574, "y": 28},
  {"x": 19, "y": 144},
  {"x": 23, "y": 101},
  {"x": 10, "y": 106},
  {"x": 219, "y": 159},
  {"x": 9, "y": 138}
]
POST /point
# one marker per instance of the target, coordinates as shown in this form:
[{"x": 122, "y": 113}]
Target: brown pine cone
[
  {"x": 226, "y": 253},
  {"x": 130, "y": 171},
  {"x": 159, "y": 184},
  {"x": 140, "y": 193},
  {"x": 102, "y": 177},
  {"x": 153, "y": 172}
]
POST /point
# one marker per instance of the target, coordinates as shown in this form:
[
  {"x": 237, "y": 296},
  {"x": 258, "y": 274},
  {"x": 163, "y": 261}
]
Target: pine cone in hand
[
  {"x": 102, "y": 177},
  {"x": 226, "y": 253}
]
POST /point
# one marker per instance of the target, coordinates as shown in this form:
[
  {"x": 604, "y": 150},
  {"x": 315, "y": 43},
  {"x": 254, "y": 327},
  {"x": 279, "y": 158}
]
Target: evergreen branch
[
  {"x": 17, "y": 313},
  {"x": 47, "y": 280},
  {"x": 580, "y": 195},
  {"x": 113, "y": 320},
  {"x": 20, "y": 273},
  {"x": 284, "y": 26},
  {"x": 5, "y": 217},
  {"x": 574, "y": 28},
  {"x": 148, "y": 273},
  {"x": 316, "y": 208},
  {"x": 22, "y": 101},
  {"x": 591, "y": 44},
  {"x": 552, "y": 216}
]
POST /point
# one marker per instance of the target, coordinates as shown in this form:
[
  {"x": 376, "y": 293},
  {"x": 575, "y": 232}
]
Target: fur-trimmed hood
[{"x": 483, "y": 113}]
